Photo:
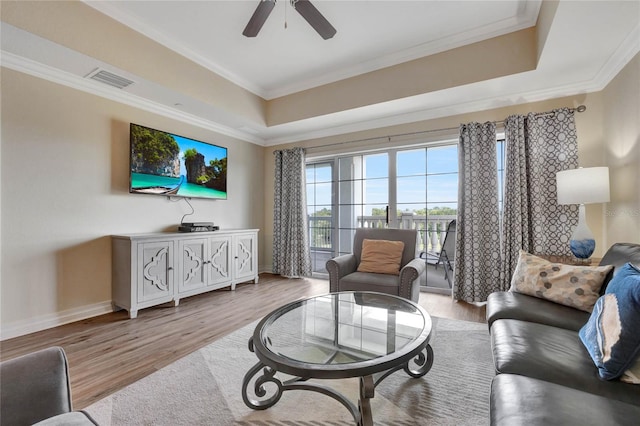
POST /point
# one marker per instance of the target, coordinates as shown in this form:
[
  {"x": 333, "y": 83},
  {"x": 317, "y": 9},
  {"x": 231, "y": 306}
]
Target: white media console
[{"x": 152, "y": 269}]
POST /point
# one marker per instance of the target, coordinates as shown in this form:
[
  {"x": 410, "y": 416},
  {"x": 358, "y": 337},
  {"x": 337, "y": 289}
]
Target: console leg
[
  {"x": 176, "y": 302},
  {"x": 133, "y": 314}
]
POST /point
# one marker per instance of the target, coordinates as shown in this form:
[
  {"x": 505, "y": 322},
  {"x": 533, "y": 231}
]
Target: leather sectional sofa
[{"x": 544, "y": 374}]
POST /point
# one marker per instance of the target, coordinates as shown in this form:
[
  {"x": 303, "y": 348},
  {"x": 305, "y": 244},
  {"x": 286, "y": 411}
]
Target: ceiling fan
[{"x": 303, "y": 7}]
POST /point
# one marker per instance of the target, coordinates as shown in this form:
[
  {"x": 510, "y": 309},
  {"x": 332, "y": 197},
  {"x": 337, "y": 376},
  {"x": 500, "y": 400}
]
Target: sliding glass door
[
  {"x": 427, "y": 200},
  {"x": 413, "y": 188},
  {"x": 407, "y": 189}
]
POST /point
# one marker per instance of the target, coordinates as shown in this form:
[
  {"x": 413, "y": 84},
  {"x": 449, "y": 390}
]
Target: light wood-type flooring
[{"x": 109, "y": 352}]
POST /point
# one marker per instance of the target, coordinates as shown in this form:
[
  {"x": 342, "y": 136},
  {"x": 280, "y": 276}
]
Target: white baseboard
[
  {"x": 265, "y": 268},
  {"x": 43, "y": 322}
]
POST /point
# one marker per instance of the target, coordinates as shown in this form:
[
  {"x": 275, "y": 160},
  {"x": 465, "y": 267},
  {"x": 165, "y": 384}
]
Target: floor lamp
[{"x": 583, "y": 186}]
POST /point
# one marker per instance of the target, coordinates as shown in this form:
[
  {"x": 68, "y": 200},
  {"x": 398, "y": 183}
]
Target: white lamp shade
[{"x": 583, "y": 186}]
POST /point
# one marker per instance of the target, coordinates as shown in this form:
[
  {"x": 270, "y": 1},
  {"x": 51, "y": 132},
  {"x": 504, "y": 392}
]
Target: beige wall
[
  {"x": 65, "y": 190},
  {"x": 591, "y": 150},
  {"x": 621, "y": 112}
]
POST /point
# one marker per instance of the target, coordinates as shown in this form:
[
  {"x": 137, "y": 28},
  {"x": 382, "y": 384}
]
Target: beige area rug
[{"x": 204, "y": 388}]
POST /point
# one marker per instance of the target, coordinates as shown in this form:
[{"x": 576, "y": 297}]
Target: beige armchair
[{"x": 344, "y": 275}]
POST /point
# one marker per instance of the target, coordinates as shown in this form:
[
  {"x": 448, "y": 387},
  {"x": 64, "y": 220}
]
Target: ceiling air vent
[{"x": 109, "y": 78}]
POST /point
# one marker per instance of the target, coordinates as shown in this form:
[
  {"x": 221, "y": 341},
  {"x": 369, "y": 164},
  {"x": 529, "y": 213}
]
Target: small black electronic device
[
  {"x": 198, "y": 227},
  {"x": 196, "y": 224}
]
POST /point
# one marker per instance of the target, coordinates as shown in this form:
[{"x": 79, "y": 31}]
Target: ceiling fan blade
[
  {"x": 314, "y": 18},
  {"x": 258, "y": 18}
]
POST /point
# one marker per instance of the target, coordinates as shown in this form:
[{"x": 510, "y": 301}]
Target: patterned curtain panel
[
  {"x": 291, "y": 256},
  {"x": 537, "y": 146},
  {"x": 477, "y": 238}
]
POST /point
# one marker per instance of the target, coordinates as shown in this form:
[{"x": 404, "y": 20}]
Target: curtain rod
[{"x": 579, "y": 108}]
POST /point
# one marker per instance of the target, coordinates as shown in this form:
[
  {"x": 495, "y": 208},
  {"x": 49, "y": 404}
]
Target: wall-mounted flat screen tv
[{"x": 162, "y": 163}]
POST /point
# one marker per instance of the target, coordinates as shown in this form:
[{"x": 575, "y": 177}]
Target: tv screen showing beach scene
[{"x": 171, "y": 165}]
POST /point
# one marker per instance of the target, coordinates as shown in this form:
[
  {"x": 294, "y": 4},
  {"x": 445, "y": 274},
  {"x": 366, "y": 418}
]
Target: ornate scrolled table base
[{"x": 416, "y": 367}]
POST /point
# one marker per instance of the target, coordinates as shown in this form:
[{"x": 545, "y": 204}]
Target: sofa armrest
[
  {"x": 409, "y": 283},
  {"x": 34, "y": 387},
  {"x": 338, "y": 267}
]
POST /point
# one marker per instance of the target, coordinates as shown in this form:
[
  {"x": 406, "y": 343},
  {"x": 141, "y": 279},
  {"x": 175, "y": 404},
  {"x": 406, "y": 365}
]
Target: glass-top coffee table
[{"x": 334, "y": 336}]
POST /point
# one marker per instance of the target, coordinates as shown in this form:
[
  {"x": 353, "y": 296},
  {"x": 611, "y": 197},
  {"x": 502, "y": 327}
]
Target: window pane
[
  {"x": 411, "y": 189},
  {"x": 376, "y": 191},
  {"x": 310, "y": 196},
  {"x": 350, "y": 168},
  {"x": 323, "y": 173},
  {"x": 349, "y": 216},
  {"x": 323, "y": 193},
  {"x": 310, "y": 174},
  {"x": 412, "y": 162},
  {"x": 346, "y": 240},
  {"x": 375, "y": 216},
  {"x": 350, "y": 192},
  {"x": 319, "y": 209},
  {"x": 442, "y": 188},
  {"x": 442, "y": 210},
  {"x": 377, "y": 166},
  {"x": 442, "y": 159}
]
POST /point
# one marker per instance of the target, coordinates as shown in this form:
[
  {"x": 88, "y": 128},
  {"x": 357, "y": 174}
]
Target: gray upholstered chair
[
  {"x": 343, "y": 274},
  {"x": 34, "y": 389}
]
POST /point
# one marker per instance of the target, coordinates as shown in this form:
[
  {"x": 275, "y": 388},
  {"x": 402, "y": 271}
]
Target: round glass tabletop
[{"x": 342, "y": 334}]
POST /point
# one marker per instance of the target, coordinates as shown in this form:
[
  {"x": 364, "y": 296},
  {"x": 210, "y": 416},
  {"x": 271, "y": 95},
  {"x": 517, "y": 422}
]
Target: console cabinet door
[
  {"x": 155, "y": 271},
  {"x": 245, "y": 256},
  {"x": 191, "y": 264},
  {"x": 219, "y": 260}
]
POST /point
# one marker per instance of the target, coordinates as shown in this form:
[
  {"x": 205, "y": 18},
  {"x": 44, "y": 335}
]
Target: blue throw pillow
[{"x": 611, "y": 335}]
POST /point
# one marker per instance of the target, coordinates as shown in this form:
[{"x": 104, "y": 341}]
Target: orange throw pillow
[{"x": 381, "y": 256}]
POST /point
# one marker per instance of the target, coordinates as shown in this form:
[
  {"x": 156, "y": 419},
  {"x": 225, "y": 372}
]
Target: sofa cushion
[
  {"x": 518, "y": 400},
  {"x": 570, "y": 285},
  {"x": 552, "y": 354},
  {"x": 381, "y": 256},
  {"x": 611, "y": 334},
  {"x": 510, "y": 305}
]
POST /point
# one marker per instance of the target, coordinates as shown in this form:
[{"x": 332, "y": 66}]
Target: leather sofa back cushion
[
  {"x": 381, "y": 256},
  {"x": 574, "y": 286}
]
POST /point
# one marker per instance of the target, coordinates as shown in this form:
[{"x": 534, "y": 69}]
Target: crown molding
[
  {"x": 108, "y": 9},
  {"x": 619, "y": 59},
  {"x": 463, "y": 38},
  {"x": 527, "y": 17},
  {"x": 37, "y": 69}
]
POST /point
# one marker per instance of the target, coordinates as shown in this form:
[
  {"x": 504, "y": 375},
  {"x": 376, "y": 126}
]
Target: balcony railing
[{"x": 432, "y": 229}]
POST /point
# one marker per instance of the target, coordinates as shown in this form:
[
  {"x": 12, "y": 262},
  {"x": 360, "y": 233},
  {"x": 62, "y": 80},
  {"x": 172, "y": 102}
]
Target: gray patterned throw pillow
[{"x": 574, "y": 286}]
